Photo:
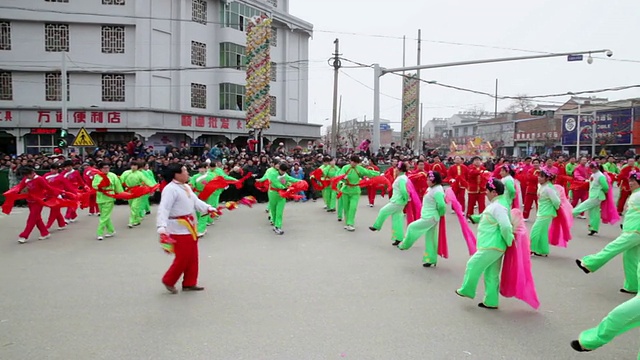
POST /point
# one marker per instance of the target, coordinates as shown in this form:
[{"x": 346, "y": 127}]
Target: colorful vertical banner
[
  {"x": 258, "y": 101},
  {"x": 410, "y": 85}
]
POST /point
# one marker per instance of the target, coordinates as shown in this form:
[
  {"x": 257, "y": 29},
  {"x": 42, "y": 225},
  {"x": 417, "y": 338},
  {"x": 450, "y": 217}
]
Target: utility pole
[
  {"x": 419, "y": 146},
  {"x": 495, "y": 106},
  {"x": 334, "y": 122},
  {"x": 578, "y": 130},
  {"x": 416, "y": 131},
  {"x": 65, "y": 119},
  {"x": 593, "y": 134},
  {"x": 339, "y": 117}
]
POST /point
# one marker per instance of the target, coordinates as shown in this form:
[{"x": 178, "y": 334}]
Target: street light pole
[
  {"x": 378, "y": 72},
  {"x": 334, "y": 121}
]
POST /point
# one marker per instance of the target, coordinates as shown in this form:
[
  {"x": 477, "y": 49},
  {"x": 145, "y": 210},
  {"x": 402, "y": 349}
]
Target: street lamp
[{"x": 379, "y": 71}]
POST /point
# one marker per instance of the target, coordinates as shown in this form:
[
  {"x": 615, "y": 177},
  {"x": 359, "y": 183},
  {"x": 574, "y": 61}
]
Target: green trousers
[
  {"x": 276, "y": 208},
  {"x": 106, "y": 208},
  {"x": 593, "y": 206},
  {"x": 203, "y": 220},
  {"x": 488, "y": 263},
  {"x": 329, "y": 197},
  {"x": 214, "y": 201},
  {"x": 146, "y": 206},
  {"x": 540, "y": 235},
  {"x": 429, "y": 228},
  {"x": 135, "y": 206},
  {"x": 350, "y": 206},
  {"x": 628, "y": 243},
  {"x": 397, "y": 220},
  {"x": 340, "y": 208}
]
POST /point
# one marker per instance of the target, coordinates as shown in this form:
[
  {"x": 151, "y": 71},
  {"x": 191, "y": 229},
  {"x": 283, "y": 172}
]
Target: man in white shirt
[{"x": 176, "y": 218}]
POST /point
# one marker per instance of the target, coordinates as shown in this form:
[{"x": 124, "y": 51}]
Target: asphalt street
[{"x": 317, "y": 292}]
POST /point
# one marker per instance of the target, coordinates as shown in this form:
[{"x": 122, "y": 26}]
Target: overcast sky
[{"x": 542, "y": 25}]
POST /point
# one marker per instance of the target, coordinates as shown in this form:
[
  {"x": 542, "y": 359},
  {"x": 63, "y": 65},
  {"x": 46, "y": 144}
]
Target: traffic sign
[
  {"x": 83, "y": 139},
  {"x": 575, "y": 57}
]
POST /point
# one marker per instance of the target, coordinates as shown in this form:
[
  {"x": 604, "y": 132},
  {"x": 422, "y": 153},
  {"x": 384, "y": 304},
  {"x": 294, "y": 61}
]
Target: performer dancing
[
  {"x": 433, "y": 209},
  {"x": 350, "y": 189},
  {"x": 176, "y": 219},
  {"x": 38, "y": 190},
  {"x": 61, "y": 184},
  {"x": 457, "y": 176},
  {"x": 75, "y": 178},
  {"x": 579, "y": 189},
  {"x": 628, "y": 243},
  {"x": 329, "y": 171},
  {"x": 88, "y": 174},
  {"x": 396, "y": 205},
  {"x": 495, "y": 234},
  {"x": 279, "y": 181},
  {"x": 623, "y": 180},
  {"x": 106, "y": 183},
  {"x": 529, "y": 180},
  {"x": 198, "y": 182},
  {"x": 134, "y": 178},
  {"x": 548, "y": 205},
  {"x": 475, "y": 183},
  {"x": 510, "y": 191},
  {"x": 598, "y": 188},
  {"x": 371, "y": 190}
]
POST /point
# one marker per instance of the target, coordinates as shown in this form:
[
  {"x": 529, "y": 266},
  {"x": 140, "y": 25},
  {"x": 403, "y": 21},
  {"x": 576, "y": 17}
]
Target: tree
[{"x": 520, "y": 104}]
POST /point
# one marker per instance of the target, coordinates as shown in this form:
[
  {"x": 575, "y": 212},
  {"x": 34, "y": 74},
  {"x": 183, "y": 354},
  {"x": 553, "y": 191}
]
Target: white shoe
[
  {"x": 582, "y": 217},
  {"x": 90, "y": 214},
  {"x": 71, "y": 221},
  {"x": 100, "y": 238},
  {"x": 22, "y": 240},
  {"x": 370, "y": 205},
  {"x": 351, "y": 228},
  {"x": 526, "y": 220},
  {"x": 278, "y": 231},
  {"x": 60, "y": 228},
  {"x": 44, "y": 237},
  {"x": 110, "y": 235},
  {"x": 346, "y": 227}
]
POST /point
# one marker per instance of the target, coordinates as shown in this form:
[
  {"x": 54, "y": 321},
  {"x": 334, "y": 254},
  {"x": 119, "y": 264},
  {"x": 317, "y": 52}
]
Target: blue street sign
[{"x": 574, "y": 58}]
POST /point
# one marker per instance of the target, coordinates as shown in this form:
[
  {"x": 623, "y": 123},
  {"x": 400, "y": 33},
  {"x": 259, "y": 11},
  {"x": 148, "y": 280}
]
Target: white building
[{"x": 146, "y": 68}]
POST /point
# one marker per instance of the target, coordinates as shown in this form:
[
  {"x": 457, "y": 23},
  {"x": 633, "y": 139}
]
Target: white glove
[{"x": 162, "y": 230}]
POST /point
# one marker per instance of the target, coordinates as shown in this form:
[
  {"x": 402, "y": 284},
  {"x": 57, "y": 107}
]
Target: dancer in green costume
[
  {"x": 628, "y": 243},
  {"x": 146, "y": 206},
  {"x": 214, "y": 199},
  {"x": 329, "y": 171},
  {"x": 278, "y": 181},
  {"x": 351, "y": 189},
  {"x": 548, "y": 205},
  {"x": 198, "y": 182},
  {"x": 506, "y": 173},
  {"x": 273, "y": 170},
  {"x": 106, "y": 203},
  {"x": 495, "y": 234},
  {"x": 598, "y": 188},
  {"x": 433, "y": 208},
  {"x": 132, "y": 178},
  {"x": 396, "y": 205}
]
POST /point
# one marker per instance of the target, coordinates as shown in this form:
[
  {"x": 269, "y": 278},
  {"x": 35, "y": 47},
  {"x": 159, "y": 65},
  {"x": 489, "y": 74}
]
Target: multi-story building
[
  {"x": 353, "y": 132},
  {"x": 166, "y": 71}
]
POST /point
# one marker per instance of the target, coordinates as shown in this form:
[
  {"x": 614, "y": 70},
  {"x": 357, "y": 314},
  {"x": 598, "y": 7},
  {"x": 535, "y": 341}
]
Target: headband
[
  {"x": 508, "y": 167},
  {"x": 431, "y": 176},
  {"x": 549, "y": 172},
  {"x": 634, "y": 175},
  {"x": 490, "y": 183},
  {"x": 593, "y": 164},
  {"x": 399, "y": 166}
]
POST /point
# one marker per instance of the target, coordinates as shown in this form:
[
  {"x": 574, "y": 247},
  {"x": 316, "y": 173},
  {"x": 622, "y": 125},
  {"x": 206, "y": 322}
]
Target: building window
[
  {"x": 237, "y": 15},
  {"x": 5, "y": 35},
  {"x": 53, "y": 87},
  {"x": 198, "y": 96},
  {"x": 6, "y": 86},
  {"x": 36, "y": 144},
  {"x": 232, "y": 97},
  {"x": 274, "y": 105},
  {"x": 232, "y": 55},
  {"x": 113, "y": 39},
  {"x": 274, "y": 36},
  {"x": 199, "y": 11},
  {"x": 113, "y": 87},
  {"x": 112, "y": 2},
  {"x": 198, "y": 53},
  {"x": 274, "y": 71},
  {"x": 57, "y": 1},
  {"x": 56, "y": 37}
]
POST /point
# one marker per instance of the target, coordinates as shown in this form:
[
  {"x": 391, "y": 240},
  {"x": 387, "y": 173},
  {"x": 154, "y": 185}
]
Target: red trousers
[
  {"x": 93, "y": 206},
  {"x": 185, "y": 262},
  {"x": 529, "y": 199},
  {"x": 476, "y": 199},
  {"x": 71, "y": 213},
  {"x": 460, "y": 196},
  {"x": 371, "y": 192},
  {"x": 579, "y": 195},
  {"x": 34, "y": 219},
  {"x": 624, "y": 195},
  {"x": 55, "y": 213}
]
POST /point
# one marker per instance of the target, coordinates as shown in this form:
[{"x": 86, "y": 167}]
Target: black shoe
[
  {"x": 148, "y": 213},
  {"x": 621, "y": 227},
  {"x": 372, "y": 228},
  {"x": 575, "y": 345},
  {"x": 586, "y": 271},
  {"x": 331, "y": 210},
  {"x": 625, "y": 291},
  {"x": 427, "y": 265},
  {"x": 339, "y": 219},
  {"x": 396, "y": 243},
  {"x": 482, "y": 305},
  {"x": 592, "y": 232},
  {"x": 192, "y": 288},
  {"x": 538, "y": 255}
]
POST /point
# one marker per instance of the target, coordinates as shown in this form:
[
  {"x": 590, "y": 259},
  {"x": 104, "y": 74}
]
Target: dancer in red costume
[
  {"x": 457, "y": 178},
  {"x": 38, "y": 190},
  {"x": 523, "y": 169},
  {"x": 623, "y": 180},
  {"x": 391, "y": 175},
  {"x": 88, "y": 174},
  {"x": 439, "y": 167},
  {"x": 57, "y": 181},
  {"x": 176, "y": 218},
  {"x": 529, "y": 181},
  {"x": 581, "y": 176},
  {"x": 418, "y": 177},
  {"x": 75, "y": 178},
  {"x": 476, "y": 185},
  {"x": 371, "y": 190}
]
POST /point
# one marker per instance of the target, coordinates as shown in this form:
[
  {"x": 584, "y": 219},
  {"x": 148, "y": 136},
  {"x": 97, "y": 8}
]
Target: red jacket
[
  {"x": 530, "y": 181},
  {"x": 59, "y": 182},
  {"x": 475, "y": 180},
  {"x": 457, "y": 176},
  {"x": 623, "y": 177},
  {"x": 419, "y": 182},
  {"x": 75, "y": 178},
  {"x": 38, "y": 189}
]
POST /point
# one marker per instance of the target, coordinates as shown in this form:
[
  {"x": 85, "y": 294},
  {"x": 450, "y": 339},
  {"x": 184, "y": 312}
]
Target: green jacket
[
  {"x": 400, "y": 194},
  {"x": 569, "y": 168},
  {"x": 495, "y": 231},
  {"x": 598, "y": 186},
  {"x": 198, "y": 181},
  {"x": 268, "y": 173},
  {"x": 354, "y": 175},
  {"x": 611, "y": 168},
  {"x": 135, "y": 178},
  {"x": 115, "y": 187},
  {"x": 329, "y": 171},
  {"x": 150, "y": 175},
  {"x": 632, "y": 214},
  {"x": 548, "y": 201},
  {"x": 433, "y": 204},
  {"x": 280, "y": 182}
]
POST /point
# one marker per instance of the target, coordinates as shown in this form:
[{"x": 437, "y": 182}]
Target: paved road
[{"x": 318, "y": 292}]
